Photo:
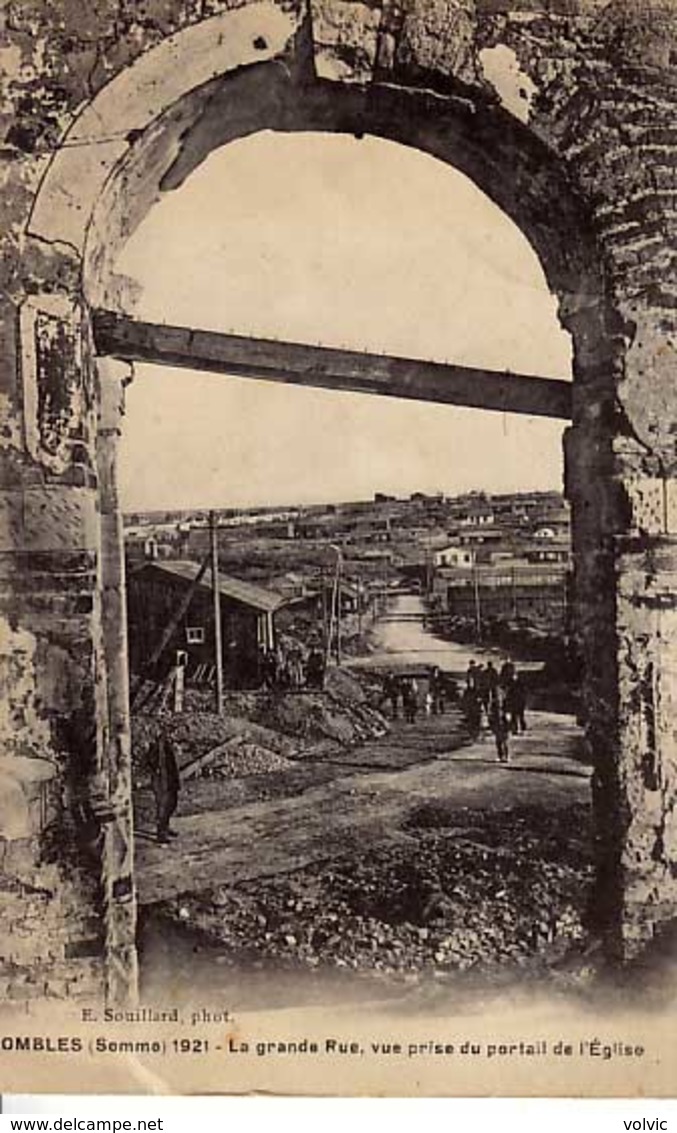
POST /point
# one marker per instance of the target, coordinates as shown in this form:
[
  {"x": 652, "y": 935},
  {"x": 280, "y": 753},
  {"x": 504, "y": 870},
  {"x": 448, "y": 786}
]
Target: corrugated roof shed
[{"x": 230, "y": 587}]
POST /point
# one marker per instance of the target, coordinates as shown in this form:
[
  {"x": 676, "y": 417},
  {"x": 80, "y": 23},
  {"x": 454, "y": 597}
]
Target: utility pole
[
  {"x": 338, "y": 607},
  {"x": 218, "y": 649},
  {"x": 360, "y": 594},
  {"x": 476, "y": 587},
  {"x": 324, "y": 583},
  {"x": 335, "y": 608}
]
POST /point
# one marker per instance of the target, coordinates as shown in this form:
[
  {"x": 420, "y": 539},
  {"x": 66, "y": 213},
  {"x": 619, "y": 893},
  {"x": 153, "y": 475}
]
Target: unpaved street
[
  {"x": 364, "y": 808},
  {"x": 402, "y": 639},
  {"x": 414, "y": 852}
]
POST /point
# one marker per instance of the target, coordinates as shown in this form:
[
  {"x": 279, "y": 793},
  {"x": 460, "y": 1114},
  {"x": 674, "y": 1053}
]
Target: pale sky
[{"x": 364, "y": 244}]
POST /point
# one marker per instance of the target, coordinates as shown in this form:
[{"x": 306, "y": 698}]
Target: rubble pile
[
  {"x": 487, "y": 892},
  {"x": 260, "y": 731},
  {"x": 340, "y": 714},
  {"x": 238, "y": 757},
  {"x": 197, "y": 734},
  {"x": 554, "y": 836},
  {"x": 311, "y": 717}
]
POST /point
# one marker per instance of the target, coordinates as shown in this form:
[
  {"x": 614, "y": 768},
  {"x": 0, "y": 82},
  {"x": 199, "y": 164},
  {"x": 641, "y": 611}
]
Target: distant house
[
  {"x": 353, "y": 595},
  {"x": 548, "y": 551},
  {"x": 479, "y": 514},
  {"x": 365, "y": 529},
  {"x": 453, "y": 557},
  {"x": 154, "y": 593},
  {"x": 291, "y": 585},
  {"x": 474, "y": 536},
  {"x": 534, "y": 591}
]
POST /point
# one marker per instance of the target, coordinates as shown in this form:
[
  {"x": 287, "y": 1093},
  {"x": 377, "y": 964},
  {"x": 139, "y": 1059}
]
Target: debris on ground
[
  {"x": 259, "y": 731},
  {"x": 479, "y": 890},
  {"x": 237, "y": 757},
  {"x": 197, "y": 734}
]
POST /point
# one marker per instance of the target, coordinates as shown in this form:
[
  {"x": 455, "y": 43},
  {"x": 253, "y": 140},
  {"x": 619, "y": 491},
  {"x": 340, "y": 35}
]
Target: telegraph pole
[
  {"x": 339, "y": 596},
  {"x": 476, "y": 587},
  {"x": 325, "y": 606},
  {"x": 335, "y": 609},
  {"x": 218, "y": 649}
]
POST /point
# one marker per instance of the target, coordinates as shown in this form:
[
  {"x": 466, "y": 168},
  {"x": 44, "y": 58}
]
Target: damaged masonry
[{"x": 563, "y": 114}]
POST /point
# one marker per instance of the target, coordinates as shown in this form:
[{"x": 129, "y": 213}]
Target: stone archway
[{"x": 185, "y": 86}]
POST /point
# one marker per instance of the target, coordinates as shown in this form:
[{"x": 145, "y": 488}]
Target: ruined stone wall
[{"x": 561, "y": 110}]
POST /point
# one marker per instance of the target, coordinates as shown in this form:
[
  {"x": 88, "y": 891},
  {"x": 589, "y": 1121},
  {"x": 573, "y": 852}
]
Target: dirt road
[
  {"x": 402, "y": 638},
  {"x": 365, "y": 807}
]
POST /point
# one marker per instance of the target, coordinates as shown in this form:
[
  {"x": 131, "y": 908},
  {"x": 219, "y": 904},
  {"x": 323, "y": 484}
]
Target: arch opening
[
  {"x": 354, "y": 245},
  {"x": 243, "y": 271},
  {"x": 503, "y": 157}
]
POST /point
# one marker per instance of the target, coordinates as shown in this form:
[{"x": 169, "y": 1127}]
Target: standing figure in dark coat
[
  {"x": 315, "y": 668},
  {"x": 507, "y": 674},
  {"x": 437, "y": 690},
  {"x": 268, "y": 665},
  {"x": 498, "y": 722},
  {"x": 491, "y": 678},
  {"x": 516, "y": 703},
  {"x": 391, "y": 692},
  {"x": 410, "y": 699},
  {"x": 471, "y": 707},
  {"x": 481, "y": 687},
  {"x": 165, "y": 783},
  {"x": 295, "y": 667}
]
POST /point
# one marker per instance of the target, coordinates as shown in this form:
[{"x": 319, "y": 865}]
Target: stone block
[
  {"x": 438, "y": 36},
  {"x": 345, "y": 35}
]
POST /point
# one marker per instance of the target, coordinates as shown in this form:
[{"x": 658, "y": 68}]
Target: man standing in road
[
  {"x": 491, "y": 678},
  {"x": 471, "y": 676},
  {"x": 507, "y": 674},
  {"x": 516, "y": 703},
  {"x": 498, "y": 722},
  {"x": 410, "y": 699},
  {"x": 437, "y": 691},
  {"x": 165, "y": 783}
]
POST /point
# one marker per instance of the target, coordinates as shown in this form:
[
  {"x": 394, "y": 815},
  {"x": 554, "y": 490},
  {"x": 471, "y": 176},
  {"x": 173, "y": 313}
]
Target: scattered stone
[{"x": 508, "y": 897}]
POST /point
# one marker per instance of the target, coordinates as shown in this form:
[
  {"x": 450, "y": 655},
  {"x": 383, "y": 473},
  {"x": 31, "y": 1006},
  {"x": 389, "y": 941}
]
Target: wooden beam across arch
[{"x": 133, "y": 340}]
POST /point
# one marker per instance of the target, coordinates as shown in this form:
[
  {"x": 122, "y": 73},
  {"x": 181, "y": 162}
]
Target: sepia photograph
[{"x": 339, "y": 547}]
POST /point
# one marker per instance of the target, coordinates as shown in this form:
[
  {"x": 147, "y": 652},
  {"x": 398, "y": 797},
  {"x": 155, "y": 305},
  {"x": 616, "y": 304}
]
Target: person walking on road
[
  {"x": 491, "y": 678},
  {"x": 471, "y": 708},
  {"x": 410, "y": 699},
  {"x": 516, "y": 704},
  {"x": 437, "y": 690},
  {"x": 498, "y": 723},
  {"x": 482, "y": 687},
  {"x": 506, "y": 675},
  {"x": 390, "y": 694},
  {"x": 471, "y": 676}
]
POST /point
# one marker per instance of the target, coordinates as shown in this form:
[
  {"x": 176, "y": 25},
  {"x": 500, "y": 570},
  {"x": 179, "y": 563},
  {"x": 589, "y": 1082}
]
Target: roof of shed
[{"x": 235, "y": 588}]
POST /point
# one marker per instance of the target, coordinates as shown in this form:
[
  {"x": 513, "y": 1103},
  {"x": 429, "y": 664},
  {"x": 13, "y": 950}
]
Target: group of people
[
  {"x": 400, "y": 691},
  {"x": 404, "y": 691},
  {"x": 290, "y": 669},
  {"x": 497, "y": 696},
  {"x": 501, "y": 697}
]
